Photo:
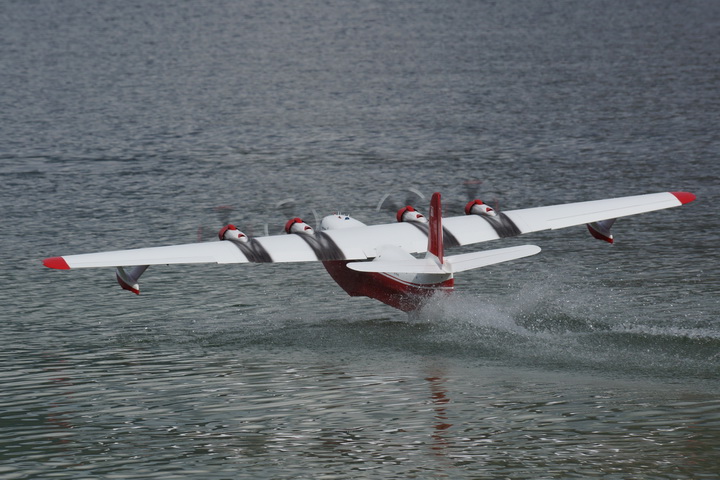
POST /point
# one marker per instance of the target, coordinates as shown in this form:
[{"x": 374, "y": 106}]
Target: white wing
[
  {"x": 475, "y": 228},
  {"x": 362, "y": 243}
]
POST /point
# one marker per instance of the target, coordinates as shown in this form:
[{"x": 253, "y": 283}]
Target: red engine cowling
[
  {"x": 409, "y": 214},
  {"x": 477, "y": 207},
  {"x": 297, "y": 225},
  {"x": 230, "y": 232}
]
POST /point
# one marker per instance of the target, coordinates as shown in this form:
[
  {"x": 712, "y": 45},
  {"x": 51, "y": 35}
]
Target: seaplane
[{"x": 403, "y": 263}]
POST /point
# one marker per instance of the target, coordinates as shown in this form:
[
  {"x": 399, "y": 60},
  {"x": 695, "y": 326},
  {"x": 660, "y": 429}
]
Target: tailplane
[{"x": 452, "y": 264}]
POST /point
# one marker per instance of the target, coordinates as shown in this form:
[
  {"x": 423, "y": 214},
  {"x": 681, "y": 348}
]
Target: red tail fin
[{"x": 435, "y": 235}]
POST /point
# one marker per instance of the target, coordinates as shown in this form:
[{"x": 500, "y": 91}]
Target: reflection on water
[
  {"x": 111, "y": 410},
  {"x": 440, "y": 400}
]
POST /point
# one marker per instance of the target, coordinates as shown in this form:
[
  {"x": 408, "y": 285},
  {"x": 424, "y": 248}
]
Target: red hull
[{"x": 397, "y": 293}]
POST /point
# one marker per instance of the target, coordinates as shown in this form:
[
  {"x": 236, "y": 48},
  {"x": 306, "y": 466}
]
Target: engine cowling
[
  {"x": 230, "y": 232},
  {"x": 409, "y": 214},
  {"x": 297, "y": 225},
  {"x": 477, "y": 207}
]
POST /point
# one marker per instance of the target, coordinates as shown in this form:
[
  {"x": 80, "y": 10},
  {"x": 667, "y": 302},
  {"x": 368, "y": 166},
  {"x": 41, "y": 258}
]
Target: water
[{"x": 130, "y": 124}]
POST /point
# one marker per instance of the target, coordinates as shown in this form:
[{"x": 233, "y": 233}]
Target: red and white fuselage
[{"x": 405, "y": 291}]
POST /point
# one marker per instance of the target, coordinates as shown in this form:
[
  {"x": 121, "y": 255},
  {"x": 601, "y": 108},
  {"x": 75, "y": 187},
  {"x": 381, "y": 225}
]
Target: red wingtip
[
  {"x": 684, "y": 197},
  {"x": 58, "y": 263}
]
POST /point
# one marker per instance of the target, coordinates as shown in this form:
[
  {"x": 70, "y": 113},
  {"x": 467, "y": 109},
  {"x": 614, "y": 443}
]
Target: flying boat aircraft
[{"x": 400, "y": 264}]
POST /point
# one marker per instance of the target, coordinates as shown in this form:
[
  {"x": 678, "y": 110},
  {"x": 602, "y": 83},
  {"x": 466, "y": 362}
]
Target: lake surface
[{"x": 132, "y": 124}]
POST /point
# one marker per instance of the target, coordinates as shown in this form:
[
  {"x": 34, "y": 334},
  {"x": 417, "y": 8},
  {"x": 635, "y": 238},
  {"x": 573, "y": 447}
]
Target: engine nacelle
[
  {"x": 477, "y": 207},
  {"x": 230, "y": 232},
  {"x": 297, "y": 225},
  {"x": 409, "y": 214}
]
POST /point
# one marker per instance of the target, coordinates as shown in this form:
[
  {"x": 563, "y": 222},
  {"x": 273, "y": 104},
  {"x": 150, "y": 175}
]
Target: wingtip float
[{"x": 381, "y": 261}]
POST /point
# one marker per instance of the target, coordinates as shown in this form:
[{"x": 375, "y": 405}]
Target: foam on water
[{"x": 560, "y": 326}]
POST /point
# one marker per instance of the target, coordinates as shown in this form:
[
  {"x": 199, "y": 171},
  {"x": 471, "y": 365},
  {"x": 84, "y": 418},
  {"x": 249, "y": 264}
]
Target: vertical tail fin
[{"x": 435, "y": 234}]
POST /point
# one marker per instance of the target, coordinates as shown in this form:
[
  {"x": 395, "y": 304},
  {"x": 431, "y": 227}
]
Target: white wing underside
[{"x": 363, "y": 243}]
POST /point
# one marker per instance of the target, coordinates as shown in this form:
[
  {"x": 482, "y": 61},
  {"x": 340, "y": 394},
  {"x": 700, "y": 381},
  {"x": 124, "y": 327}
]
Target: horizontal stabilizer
[
  {"x": 468, "y": 261},
  {"x": 416, "y": 265},
  {"x": 455, "y": 263}
]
